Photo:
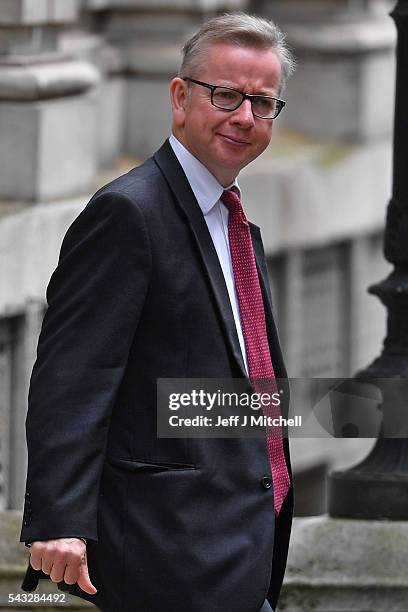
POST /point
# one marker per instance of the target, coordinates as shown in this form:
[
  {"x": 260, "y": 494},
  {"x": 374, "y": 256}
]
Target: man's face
[{"x": 226, "y": 141}]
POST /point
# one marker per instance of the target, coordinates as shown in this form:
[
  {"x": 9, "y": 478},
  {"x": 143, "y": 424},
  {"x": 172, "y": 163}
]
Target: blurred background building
[{"x": 84, "y": 97}]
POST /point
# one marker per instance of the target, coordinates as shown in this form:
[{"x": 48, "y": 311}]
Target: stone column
[
  {"x": 344, "y": 49},
  {"x": 47, "y": 118},
  {"x": 87, "y": 42}
]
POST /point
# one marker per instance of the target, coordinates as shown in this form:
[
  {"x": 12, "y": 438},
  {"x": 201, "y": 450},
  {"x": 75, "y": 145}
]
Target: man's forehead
[{"x": 239, "y": 66}]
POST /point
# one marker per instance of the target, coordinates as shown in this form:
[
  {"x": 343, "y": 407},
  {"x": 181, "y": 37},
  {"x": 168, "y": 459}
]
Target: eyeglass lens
[{"x": 230, "y": 100}]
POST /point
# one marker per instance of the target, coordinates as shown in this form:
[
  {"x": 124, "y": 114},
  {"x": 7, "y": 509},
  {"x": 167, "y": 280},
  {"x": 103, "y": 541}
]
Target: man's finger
[
  {"x": 58, "y": 570},
  {"x": 47, "y": 561},
  {"x": 36, "y": 552},
  {"x": 72, "y": 573},
  {"x": 84, "y": 582},
  {"x": 35, "y": 562}
]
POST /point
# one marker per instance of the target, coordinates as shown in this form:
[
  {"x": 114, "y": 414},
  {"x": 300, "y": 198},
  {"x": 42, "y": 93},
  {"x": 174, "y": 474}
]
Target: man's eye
[
  {"x": 267, "y": 105},
  {"x": 225, "y": 96}
]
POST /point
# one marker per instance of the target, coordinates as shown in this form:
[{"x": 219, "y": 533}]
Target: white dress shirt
[{"x": 208, "y": 191}]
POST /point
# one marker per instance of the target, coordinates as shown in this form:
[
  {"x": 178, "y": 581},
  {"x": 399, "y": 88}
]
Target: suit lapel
[{"x": 184, "y": 196}]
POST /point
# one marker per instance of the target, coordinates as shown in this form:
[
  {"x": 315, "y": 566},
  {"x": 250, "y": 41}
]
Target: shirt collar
[{"x": 205, "y": 186}]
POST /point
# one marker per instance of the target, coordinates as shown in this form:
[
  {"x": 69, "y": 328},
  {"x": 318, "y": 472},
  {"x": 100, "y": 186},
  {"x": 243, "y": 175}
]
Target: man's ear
[{"x": 179, "y": 100}]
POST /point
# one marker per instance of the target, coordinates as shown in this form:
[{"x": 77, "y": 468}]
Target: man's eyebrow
[
  {"x": 258, "y": 93},
  {"x": 265, "y": 93}
]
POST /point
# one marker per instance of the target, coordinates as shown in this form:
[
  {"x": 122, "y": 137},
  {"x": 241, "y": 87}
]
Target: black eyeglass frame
[{"x": 245, "y": 96}]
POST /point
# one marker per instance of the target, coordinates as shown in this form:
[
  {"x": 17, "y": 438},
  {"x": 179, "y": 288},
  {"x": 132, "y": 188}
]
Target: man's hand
[{"x": 63, "y": 559}]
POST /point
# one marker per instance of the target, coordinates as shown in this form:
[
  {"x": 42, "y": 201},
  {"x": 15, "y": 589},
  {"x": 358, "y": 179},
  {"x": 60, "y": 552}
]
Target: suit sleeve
[{"x": 95, "y": 298}]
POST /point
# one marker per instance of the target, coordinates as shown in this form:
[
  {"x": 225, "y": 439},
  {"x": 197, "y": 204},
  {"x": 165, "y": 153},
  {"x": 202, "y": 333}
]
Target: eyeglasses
[{"x": 229, "y": 99}]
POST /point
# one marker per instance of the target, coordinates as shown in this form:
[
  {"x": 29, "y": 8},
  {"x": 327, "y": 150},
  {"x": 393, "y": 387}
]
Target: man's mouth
[{"x": 235, "y": 140}]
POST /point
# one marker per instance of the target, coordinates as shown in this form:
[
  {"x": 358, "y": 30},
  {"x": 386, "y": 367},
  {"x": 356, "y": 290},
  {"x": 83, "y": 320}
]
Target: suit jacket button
[
  {"x": 266, "y": 482},
  {"x": 26, "y": 522}
]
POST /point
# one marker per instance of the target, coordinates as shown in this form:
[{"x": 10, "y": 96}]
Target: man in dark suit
[{"x": 152, "y": 282}]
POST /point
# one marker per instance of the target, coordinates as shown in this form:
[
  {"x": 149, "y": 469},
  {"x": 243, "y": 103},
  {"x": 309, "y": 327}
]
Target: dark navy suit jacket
[{"x": 182, "y": 525}]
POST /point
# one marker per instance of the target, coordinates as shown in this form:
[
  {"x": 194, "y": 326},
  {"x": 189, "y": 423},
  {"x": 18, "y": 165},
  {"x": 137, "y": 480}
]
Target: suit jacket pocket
[{"x": 148, "y": 466}]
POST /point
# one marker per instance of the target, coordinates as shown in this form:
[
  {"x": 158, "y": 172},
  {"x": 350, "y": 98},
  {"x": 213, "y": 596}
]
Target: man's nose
[{"x": 243, "y": 115}]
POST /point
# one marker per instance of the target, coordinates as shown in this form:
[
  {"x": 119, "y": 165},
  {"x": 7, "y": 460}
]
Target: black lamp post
[{"x": 378, "y": 486}]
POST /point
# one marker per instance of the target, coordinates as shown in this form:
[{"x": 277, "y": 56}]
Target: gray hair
[{"x": 239, "y": 29}]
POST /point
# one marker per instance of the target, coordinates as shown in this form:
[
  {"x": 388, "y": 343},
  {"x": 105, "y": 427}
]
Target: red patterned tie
[{"x": 254, "y": 331}]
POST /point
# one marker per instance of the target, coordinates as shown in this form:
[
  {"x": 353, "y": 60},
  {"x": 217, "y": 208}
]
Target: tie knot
[{"x": 231, "y": 200}]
